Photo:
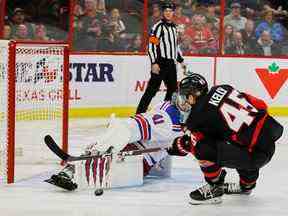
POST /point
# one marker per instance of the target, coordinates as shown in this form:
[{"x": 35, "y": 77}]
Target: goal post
[{"x": 34, "y": 94}]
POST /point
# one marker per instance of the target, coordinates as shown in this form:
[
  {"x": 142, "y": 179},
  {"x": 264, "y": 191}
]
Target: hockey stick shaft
[
  {"x": 52, "y": 145},
  {"x": 139, "y": 152}
]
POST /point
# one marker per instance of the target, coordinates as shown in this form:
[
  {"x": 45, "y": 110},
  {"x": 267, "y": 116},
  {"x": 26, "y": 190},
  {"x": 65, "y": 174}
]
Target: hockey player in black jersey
[{"x": 225, "y": 128}]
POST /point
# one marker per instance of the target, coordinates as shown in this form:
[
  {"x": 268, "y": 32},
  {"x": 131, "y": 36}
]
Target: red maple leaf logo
[{"x": 272, "y": 80}]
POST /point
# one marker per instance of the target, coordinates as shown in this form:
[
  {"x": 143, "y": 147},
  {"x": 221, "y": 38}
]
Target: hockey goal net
[{"x": 33, "y": 102}]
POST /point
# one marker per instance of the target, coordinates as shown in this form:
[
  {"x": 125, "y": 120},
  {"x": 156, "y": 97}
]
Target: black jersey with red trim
[{"x": 227, "y": 114}]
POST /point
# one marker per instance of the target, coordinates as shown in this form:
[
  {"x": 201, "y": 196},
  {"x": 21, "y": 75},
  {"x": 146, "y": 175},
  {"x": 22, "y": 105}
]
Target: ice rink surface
[{"x": 165, "y": 197}]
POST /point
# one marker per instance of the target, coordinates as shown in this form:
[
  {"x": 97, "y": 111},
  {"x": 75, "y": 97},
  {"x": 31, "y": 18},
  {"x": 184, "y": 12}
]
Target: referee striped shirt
[{"x": 163, "y": 42}]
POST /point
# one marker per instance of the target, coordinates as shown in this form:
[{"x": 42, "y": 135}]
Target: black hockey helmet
[
  {"x": 168, "y": 4},
  {"x": 195, "y": 85}
]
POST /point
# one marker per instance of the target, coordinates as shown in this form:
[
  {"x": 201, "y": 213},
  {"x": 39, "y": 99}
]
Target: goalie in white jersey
[{"x": 157, "y": 128}]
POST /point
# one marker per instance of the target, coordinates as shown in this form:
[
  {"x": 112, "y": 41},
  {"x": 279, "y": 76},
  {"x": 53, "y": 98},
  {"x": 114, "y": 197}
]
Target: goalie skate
[{"x": 64, "y": 179}]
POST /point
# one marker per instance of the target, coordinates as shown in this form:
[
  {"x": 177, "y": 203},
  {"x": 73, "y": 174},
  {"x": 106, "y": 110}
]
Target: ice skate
[
  {"x": 64, "y": 179},
  {"x": 209, "y": 193}
]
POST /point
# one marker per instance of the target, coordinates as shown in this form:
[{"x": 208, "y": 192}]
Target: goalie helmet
[
  {"x": 180, "y": 102},
  {"x": 195, "y": 85},
  {"x": 168, "y": 4}
]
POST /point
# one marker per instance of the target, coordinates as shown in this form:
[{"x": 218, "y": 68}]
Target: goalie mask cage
[{"x": 34, "y": 96}]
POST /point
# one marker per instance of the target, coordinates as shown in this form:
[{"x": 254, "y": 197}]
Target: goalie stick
[{"x": 52, "y": 145}]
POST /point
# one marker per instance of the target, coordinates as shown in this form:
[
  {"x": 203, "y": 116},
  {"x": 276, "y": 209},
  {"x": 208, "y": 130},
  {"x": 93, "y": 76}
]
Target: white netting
[
  {"x": 3, "y": 109},
  {"x": 39, "y": 103}
]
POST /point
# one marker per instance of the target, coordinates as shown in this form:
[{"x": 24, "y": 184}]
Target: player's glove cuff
[{"x": 189, "y": 141}]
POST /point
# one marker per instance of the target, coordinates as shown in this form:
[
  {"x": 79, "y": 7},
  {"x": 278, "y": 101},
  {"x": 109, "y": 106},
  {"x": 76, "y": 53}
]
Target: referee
[{"x": 163, "y": 52}]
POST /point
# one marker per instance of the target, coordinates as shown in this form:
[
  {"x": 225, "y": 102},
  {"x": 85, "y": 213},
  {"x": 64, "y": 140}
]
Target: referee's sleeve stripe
[
  {"x": 152, "y": 48},
  {"x": 151, "y": 55}
]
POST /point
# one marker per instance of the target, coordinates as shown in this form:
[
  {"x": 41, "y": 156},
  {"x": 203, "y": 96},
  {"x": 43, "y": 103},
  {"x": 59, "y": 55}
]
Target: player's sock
[
  {"x": 64, "y": 179},
  {"x": 210, "y": 193}
]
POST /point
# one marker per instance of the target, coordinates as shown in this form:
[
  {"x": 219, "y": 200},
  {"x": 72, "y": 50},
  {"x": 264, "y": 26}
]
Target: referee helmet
[{"x": 168, "y": 5}]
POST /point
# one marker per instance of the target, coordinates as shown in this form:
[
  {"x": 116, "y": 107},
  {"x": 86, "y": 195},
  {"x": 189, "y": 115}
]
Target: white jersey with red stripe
[{"x": 156, "y": 128}]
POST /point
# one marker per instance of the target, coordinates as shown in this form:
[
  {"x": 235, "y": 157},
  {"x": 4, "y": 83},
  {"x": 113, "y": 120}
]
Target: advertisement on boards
[
  {"x": 138, "y": 81},
  {"x": 97, "y": 81},
  {"x": 262, "y": 77},
  {"x": 114, "y": 81}
]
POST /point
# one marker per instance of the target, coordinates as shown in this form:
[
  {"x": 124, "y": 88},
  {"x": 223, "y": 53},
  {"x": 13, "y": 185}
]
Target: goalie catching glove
[
  {"x": 185, "y": 144},
  {"x": 116, "y": 135}
]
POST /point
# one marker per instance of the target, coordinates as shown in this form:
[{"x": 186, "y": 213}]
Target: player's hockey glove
[{"x": 185, "y": 144}]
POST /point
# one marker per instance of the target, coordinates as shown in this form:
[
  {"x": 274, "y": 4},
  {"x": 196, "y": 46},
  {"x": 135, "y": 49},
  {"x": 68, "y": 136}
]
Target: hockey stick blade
[{"x": 52, "y": 145}]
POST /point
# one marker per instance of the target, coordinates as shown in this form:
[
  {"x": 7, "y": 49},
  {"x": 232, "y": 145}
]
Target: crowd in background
[
  {"x": 253, "y": 27},
  {"x": 107, "y": 26},
  {"x": 36, "y": 20},
  {"x": 256, "y": 28},
  {"x": 198, "y": 24}
]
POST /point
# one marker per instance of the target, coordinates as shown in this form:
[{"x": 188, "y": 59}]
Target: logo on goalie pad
[{"x": 97, "y": 171}]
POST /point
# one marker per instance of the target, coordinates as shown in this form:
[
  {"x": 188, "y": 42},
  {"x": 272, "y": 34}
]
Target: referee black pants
[{"x": 169, "y": 76}]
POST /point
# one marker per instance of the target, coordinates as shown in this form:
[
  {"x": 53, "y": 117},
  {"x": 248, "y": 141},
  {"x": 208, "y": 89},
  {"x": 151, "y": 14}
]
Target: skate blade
[
  {"x": 213, "y": 201},
  {"x": 51, "y": 181},
  {"x": 238, "y": 194}
]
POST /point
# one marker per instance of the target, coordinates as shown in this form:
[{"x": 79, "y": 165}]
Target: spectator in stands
[
  {"x": 156, "y": 15},
  {"x": 250, "y": 8},
  {"x": 109, "y": 42},
  {"x": 234, "y": 18},
  {"x": 228, "y": 35},
  {"x": 7, "y": 32},
  {"x": 265, "y": 46},
  {"x": 279, "y": 11},
  {"x": 18, "y": 18},
  {"x": 136, "y": 44},
  {"x": 200, "y": 35},
  {"x": 215, "y": 45},
  {"x": 78, "y": 10},
  {"x": 181, "y": 20},
  {"x": 238, "y": 46},
  {"x": 100, "y": 6},
  {"x": 41, "y": 33},
  {"x": 211, "y": 16},
  {"x": 90, "y": 9},
  {"x": 189, "y": 6},
  {"x": 248, "y": 33},
  {"x": 268, "y": 24},
  {"x": 115, "y": 22},
  {"x": 21, "y": 32},
  {"x": 88, "y": 29}
]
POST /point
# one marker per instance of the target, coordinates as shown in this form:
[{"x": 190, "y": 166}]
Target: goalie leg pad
[{"x": 109, "y": 173}]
